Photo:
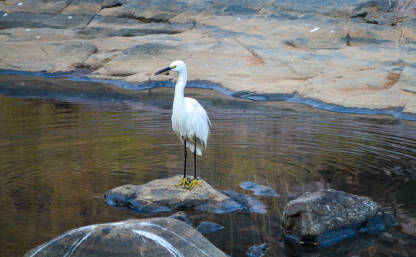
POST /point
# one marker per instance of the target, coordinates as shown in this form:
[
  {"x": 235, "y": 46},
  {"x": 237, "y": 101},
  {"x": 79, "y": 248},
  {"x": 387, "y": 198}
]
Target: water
[
  {"x": 63, "y": 144},
  {"x": 80, "y": 75}
]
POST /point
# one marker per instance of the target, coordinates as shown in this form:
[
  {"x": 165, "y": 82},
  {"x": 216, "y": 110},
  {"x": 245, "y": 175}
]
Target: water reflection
[{"x": 57, "y": 156}]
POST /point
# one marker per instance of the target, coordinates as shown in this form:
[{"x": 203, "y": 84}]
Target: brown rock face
[
  {"x": 147, "y": 237},
  {"x": 356, "y": 53}
]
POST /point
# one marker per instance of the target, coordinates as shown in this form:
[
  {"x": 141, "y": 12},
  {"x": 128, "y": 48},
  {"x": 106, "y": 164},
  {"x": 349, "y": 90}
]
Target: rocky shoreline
[{"x": 359, "y": 53}]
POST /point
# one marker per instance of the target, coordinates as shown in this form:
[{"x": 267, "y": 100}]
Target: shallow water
[{"x": 65, "y": 143}]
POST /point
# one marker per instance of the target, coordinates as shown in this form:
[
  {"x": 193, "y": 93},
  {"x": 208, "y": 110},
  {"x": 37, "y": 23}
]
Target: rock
[
  {"x": 408, "y": 226},
  {"x": 220, "y": 207},
  {"x": 47, "y": 56},
  {"x": 339, "y": 52},
  {"x": 163, "y": 194},
  {"x": 327, "y": 217},
  {"x": 249, "y": 203},
  {"x": 182, "y": 216},
  {"x": 260, "y": 190},
  {"x": 43, "y": 20},
  {"x": 257, "y": 250},
  {"x": 146, "y": 237},
  {"x": 208, "y": 227}
]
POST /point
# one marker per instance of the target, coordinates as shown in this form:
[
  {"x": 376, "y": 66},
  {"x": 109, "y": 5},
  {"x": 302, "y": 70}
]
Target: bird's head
[{"x": 177, "y": 66}]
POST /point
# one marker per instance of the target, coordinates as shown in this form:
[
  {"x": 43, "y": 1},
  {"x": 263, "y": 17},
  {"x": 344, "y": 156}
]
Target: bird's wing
[{"x": 198, "y": 120}]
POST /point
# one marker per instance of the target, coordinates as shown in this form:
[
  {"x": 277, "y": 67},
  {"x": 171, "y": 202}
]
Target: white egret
[{"x": 189, "y": 120}]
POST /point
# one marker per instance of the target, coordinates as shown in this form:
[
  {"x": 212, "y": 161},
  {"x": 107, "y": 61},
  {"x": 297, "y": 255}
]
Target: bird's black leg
[
  {"x": 195, "y": 180},
  {"x": 185, "y": 181},
  {"x": 184, "y": 164},
  {"x": 195, "y": 161}
]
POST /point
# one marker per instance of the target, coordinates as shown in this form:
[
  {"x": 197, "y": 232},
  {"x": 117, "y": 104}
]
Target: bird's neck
[{"x": 180, "y": 86}]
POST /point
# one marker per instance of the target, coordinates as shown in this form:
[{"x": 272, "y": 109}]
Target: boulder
[
  {"x": 327, "y": 217},
  {"x": 163, "y": 195},
  {"x": 146, "y": 237}
]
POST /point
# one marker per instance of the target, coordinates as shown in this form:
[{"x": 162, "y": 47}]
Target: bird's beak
[{"x": 163, "y": 71}]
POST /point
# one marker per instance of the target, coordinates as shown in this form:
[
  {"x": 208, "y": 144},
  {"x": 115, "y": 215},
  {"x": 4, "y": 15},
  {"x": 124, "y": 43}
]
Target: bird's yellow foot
[
  {"x": 193, "y": 183},
  {"x": 184, "y": 183}
]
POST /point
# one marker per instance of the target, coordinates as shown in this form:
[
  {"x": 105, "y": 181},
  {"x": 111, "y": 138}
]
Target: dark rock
[
  {"x": 257, "y": 250},
  {"x": 147, "y": 237},
  {"x": 327, "y": 217},
  {"x": 260, "y": 190},
  {"x": 209, "y": 227},
  {"x": 339, "y": 8},
  {"x": 249, "y": 203},
  {"x": 220, "y": 207},
  {"x": 151, "y": 11},
  {"x": 145, "y": 207},
  {"x": 163, "y": 195},
  {"x": 182, "y": 216},
  {"x": 238, "y": 9},
  {"x": 112, "y": 3},
  {"x": 42, "y": 20},
  {"x": 101, "y": 27}
]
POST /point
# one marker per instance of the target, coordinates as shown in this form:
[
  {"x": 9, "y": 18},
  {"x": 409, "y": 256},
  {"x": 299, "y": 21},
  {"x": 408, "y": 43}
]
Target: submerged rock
[
  {"x": 182, "y": 216},
  {"x": 162, "y": 195},
  {"x": 147, "y": 237},
  {"x": 249, "y": 203},
  {"x": 220, "y": 207},
  {"x": 260, "y": 190},
  {"x": 327, "y": 217},
  {"x": 257, "y": 250},
  {"x": 209, "y": 227}
]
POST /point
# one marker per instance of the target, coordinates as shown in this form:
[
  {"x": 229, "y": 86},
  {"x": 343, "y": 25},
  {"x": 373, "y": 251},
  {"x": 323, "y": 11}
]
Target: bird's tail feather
[{"x": 191, "y": 147}]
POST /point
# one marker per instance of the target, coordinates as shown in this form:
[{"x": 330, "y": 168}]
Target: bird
[{"x": 189, "y": 119}]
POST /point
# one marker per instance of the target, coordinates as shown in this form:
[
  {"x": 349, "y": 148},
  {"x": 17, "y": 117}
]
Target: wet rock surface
[
  {"x": 209, "y": 227},
  {"x": 327, "y": 217},
  {"x": 260, "y": 190},
  {"x": 163, "y": 195},
  {"x": 146, "y": 237},
  {"x": 350, "y": 53},
  {"x": 182, "y": 216},
  {"x": 249, "y": 203},
  {"x": 257, "y": 250}
]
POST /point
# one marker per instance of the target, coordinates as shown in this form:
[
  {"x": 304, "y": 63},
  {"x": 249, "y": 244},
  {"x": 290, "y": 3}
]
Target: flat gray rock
[
  {"x": 146, "y": 237},
  {"x": 163, "y": 195}
]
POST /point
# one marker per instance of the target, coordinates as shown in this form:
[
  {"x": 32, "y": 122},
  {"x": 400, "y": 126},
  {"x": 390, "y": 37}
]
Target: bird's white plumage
[{"x": 189, "y": 119}]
